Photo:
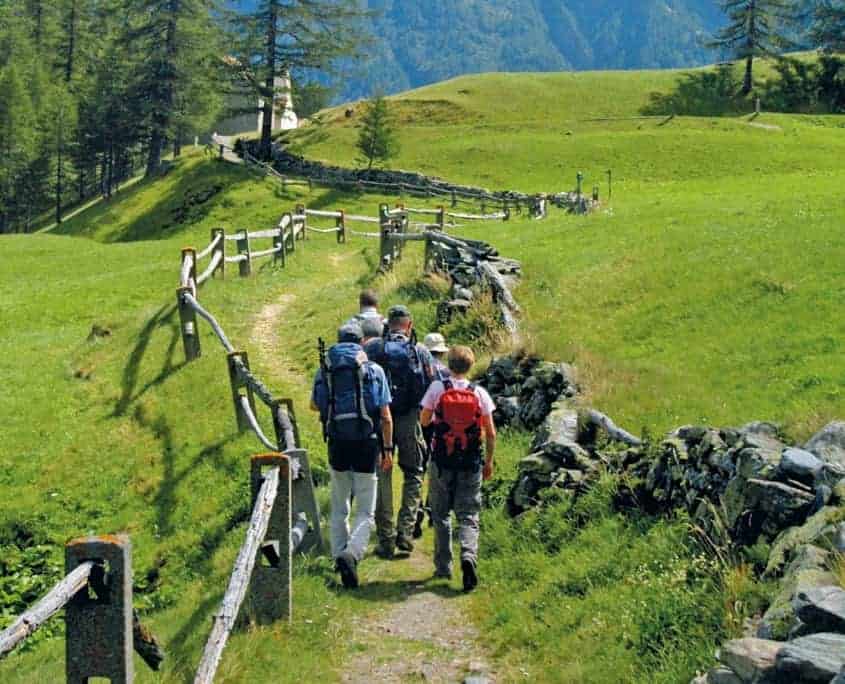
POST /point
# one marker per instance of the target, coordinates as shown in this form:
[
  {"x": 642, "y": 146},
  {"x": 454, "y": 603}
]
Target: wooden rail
[{"x": 224, "y": 619}]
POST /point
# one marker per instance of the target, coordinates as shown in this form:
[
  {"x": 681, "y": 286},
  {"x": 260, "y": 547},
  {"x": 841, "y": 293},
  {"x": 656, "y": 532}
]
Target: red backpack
[{"x": 457, "y": 431}]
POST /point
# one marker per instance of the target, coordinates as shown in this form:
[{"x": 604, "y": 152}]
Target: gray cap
[
  {"x": 395, "y": 313},
  {"x": 372, "y": 327},
  {"x": 435, "y": 342},
  {"x": 350, "y": 332}
]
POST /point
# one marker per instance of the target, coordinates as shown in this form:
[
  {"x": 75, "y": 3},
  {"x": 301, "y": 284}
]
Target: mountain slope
[{"x": 419, "y": 43}]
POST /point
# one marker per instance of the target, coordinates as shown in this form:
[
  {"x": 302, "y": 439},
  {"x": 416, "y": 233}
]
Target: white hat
[{"x": 435, "y": 342}]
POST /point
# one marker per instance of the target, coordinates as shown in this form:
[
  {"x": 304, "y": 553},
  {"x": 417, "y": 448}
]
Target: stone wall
[
  {"x": 401, "y": 182},
  {"x": 741, "y": 487}
]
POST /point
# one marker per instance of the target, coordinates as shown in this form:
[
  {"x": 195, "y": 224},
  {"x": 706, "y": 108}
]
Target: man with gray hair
[{"x": 409, "y": 369}]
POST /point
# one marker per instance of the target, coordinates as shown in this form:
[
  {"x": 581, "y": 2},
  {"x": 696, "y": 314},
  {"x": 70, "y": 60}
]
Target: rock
[
  {"x": 822, "y": 609},
  {"x": 820, "y": 529},
  {"x": 507, "y": 410},
  {"x": 447, "y": 310},
  {"x": 751, "y": 659},
  {"x": 829, "y": 444},
  {"x": 533, "y": 410},
  {"x": 824, "y": 495},
  {"x": 806, "y": 571},
  {"x": 569, "y": 455},
  {"x": 561, "y": 425},
  {"x": 784, "y": 505},
  {"x": 838, "y": 541},
  {"x": 839, "y": 492},
  {"x": 722, "y": 675},
  {"x": 840, "y": 678},
  {"x": 801, "y": 465},
  {"x": 758, "y": 455},
  {"x": 811, "y": 659}
]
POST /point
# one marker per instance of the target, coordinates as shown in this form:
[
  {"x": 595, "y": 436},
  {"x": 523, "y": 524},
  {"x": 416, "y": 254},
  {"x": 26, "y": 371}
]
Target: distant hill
[{"x": 417, "y": 43}]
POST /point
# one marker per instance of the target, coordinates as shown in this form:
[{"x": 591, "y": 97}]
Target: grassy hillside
[{"x": 705, "y": 290}]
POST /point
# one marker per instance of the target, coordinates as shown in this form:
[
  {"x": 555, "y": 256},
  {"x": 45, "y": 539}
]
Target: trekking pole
[{"x": 324, "y": 369}]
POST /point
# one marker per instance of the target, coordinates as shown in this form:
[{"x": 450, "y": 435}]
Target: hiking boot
[
  {"x": 442, "y": 574},
  {"x": 384, "y": 551},
  {"x": 469, "y": 575},
  {"x": 403, "y": 543},
  {"x": 418, "y": 530},
  {"x": 347, "y": 566}
]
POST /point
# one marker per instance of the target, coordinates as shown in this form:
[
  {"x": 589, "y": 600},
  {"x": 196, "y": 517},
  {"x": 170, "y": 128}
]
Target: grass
[{"x": 707, "y": 290}]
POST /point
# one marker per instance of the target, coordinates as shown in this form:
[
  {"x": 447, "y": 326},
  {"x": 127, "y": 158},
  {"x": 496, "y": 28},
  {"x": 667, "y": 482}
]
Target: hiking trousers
[
  {"x": 459, "y": 491},
  {"x": 411, "y": 453},
  {"x": 385, "y": 530},
  {"x": 344, "y": 485}
]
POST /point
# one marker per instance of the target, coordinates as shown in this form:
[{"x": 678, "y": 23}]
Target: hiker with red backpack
[
  {"x": 353, "y": 397},
  {"x": 462, "y": 416},
  {"x": 408, "y": 366}
]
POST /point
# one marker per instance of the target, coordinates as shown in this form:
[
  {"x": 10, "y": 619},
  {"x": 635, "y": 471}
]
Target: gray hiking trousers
[
  {"x": 459, "y": 491},
  {"x": 411, "y": 453}
]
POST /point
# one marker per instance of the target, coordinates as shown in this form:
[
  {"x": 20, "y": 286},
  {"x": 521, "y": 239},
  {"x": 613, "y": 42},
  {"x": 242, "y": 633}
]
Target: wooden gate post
[
  {"x": 340, "y": 223},
  {"x": 245, "y": 265},
  {"x": 269, "y": 597},
  {"x": 441, "y": 217},
  {"x": 98, "y": 620},
  {"x": 239, "y": 384},
  {"x": 454, "y": 199},
  {"x": 188, "y": 325},
  {"x": 221, "y": 250},
  {"x": 192, "y": 275}
]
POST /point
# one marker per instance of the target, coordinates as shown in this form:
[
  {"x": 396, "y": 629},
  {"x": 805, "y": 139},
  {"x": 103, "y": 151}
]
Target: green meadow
[{"x": 706, "y": 289}]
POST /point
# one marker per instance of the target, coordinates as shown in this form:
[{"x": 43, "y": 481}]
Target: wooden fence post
[
  {"x": 269, "y": 597},
  {"x": 239, "y": 384},
  {"x": 219, "y": 249},
  {"x": 192, "y": 276},
  {"x": 242, "y": 243},
  {"x": 441, "y": 217},
  {"x": 98, "y": 620},
  {"x": 506, "y": 210},
  {"x": 300, "y": 209},
  {"x": 280, "y": 243},
  {"x": 385, "y": 246},
  {"x": 188, "y": 325},
  {"x": 340, "y": 223},
  {"x": 454, "y": 199}
]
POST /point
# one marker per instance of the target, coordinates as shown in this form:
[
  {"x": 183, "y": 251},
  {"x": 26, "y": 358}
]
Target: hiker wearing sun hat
[{"x": 436, "y": 344}]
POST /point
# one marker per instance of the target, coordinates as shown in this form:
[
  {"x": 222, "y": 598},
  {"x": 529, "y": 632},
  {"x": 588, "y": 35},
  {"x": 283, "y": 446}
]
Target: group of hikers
[{"x": 384, "y": 397}]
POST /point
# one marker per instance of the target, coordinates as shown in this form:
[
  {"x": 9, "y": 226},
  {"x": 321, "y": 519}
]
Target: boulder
[
  {"x": 819, "y": 529},
  {"x": 839, "y": 492},
  {"x": 570, "y": 455},
  {"x": 783, "y": 505},
  {"x": 561, "y": 425},
  {"x": 751, "y": 659},
  {"x": 722, "y": 675},
  {"x": 838, "y": 541},
  {"x": 829, "y": 444},
  {"x": 817, "y": 658},
  {"x": 758, "y": 455},
  {"x": 806, "y": 571},
  {"x": 801, "y": 465},
  {"x": 822, "y": 609},
  {"x": 840, "y": 678}
]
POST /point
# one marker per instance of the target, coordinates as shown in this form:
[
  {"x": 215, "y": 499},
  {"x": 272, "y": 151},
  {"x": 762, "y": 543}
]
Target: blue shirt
[{"x": 376, "y": 389}]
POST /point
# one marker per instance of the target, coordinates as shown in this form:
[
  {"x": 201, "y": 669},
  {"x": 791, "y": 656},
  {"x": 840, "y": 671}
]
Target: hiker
[
  {"x": 353, "y": 397},
  {"x": 462, "y": 415},
  {"x": 368, "y": 307},
  {"x": 408, "y": 366},
  {"x": 436, "y": 345}
]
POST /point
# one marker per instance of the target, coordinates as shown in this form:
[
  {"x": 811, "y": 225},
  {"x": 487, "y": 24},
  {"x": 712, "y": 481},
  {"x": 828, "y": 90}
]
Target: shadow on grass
[
  {"x": 699, "y": 93},
  {"x": 165, "y": 317}
]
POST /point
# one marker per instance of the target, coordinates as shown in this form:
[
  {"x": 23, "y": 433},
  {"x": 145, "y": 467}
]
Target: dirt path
[
  {"x": 421, "y": 634},
  {"x": 420, "y": 631}
]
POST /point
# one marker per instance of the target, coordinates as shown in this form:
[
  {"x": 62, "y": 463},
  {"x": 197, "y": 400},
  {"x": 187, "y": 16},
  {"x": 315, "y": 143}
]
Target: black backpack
[
  {"x": 399, "y": 357},
  {"x": 345, "y": 418}
]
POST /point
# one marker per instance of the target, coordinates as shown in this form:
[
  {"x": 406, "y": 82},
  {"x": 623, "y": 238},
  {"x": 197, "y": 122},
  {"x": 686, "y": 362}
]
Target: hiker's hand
[
  {"x": 386, "y": 461},
  {"x": 487, "y": 471}
]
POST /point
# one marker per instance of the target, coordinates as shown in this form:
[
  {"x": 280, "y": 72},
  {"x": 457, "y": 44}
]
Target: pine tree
[
  {"x": 755, "y": 30},
  {"x": 828, "y": 30},
  {"x": 281, "y": 37},
  {"x": 175, "y": 39},
  {"x": 377, "y": 140},
  {"x": 17, "y": 144}
]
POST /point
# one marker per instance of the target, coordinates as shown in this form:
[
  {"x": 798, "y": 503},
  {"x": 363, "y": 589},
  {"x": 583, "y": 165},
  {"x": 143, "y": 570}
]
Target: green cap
[{"x": 395, "y": 313}]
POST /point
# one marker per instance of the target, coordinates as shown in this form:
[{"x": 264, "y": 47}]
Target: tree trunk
[
  {"x": 748, "y": 82},
  {"x": 71, "y": 41},
  {"x": 59, "y": 179},
  {"x": 177, "y": 145},
  {"x": 163, "y": 109},
  {"x": 265, "y": 148}
]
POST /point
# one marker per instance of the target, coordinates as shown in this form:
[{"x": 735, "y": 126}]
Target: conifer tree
[
  {"x": 828, "y": 29},
  {"x": 754, "y": 30},
  {"x": 281, "y": 37},
  {"x": 377, "y": 142},
  {"x": 17, "y": 144}
]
